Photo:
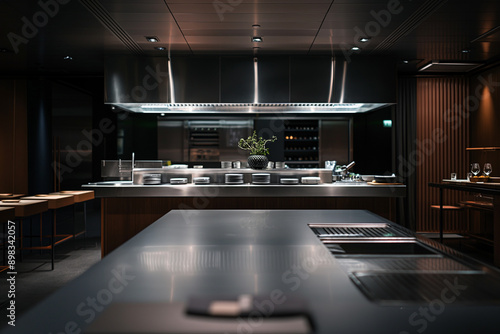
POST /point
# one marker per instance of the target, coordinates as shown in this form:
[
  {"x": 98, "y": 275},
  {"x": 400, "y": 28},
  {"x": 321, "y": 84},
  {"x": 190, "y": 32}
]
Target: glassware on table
[
  {"x": 487, "y": 169},
  {"x": 475, "y": 169},
  {"x": 454, "y": 176}
]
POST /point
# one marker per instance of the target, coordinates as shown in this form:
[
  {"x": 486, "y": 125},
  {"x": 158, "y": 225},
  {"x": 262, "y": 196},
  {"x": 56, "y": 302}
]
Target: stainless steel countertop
[
  {"x": 336, "y": 189},
  {"x": 233, "y": 252}
]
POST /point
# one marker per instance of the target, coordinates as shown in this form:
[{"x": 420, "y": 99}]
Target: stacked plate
[
  {"x": 226, "y": 164},
  {"x": 151, "y": 179},
  {"x": 289, "y": 180},
  {"x": 261, "y": 178},
  {"x": 310, "y": 179},
  {"x": 234, "y": 178},
  {"x": 178, "y": 180},
  {"x": 201, "y": 180}
]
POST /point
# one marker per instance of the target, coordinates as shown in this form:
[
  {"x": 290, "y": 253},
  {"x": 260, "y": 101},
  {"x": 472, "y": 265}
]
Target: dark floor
[
  {"x": 474, "y": 248},
  {"x": 35, "y": 280}
]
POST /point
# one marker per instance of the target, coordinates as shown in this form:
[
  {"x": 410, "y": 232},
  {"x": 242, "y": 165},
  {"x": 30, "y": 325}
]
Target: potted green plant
[{"x": 257, "y": 148}]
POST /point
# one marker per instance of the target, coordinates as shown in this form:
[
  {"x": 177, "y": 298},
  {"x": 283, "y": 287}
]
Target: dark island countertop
[{"x": 233, "y": 252}]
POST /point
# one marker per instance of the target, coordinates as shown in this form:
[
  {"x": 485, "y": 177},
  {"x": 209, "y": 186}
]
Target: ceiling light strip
[
  {"x": 101, "y": 14},
  {"x": 410, "y": 24}
]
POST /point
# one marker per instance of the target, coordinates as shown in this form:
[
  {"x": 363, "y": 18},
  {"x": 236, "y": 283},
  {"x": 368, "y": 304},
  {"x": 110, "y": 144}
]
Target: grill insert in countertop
[
  {"x": 361, "y": 230},
  {"x": 401, "y": 288}
]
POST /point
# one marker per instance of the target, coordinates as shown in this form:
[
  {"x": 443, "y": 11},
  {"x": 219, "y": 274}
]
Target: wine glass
[
  {"x": 475, "y": 169},
  {"x": 487, "y": 169}
]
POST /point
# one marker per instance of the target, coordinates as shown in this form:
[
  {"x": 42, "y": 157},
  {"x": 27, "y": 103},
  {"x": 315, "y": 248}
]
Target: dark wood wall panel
[
  {"x": 122, "y": 218},
  {"x": 13, "y": 137},
  {"x": 442, "y": 139}
]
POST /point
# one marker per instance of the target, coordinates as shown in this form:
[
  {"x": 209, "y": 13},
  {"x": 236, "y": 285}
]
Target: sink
[{"x": 378, "y": 248}]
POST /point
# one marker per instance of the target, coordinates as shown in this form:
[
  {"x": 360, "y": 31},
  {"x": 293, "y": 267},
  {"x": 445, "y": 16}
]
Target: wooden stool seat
[{"x": 447, "y": 207}]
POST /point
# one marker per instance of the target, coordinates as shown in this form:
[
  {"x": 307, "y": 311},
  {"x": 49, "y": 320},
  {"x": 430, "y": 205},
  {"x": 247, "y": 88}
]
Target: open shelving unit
[{"x": 302, "y": 143}]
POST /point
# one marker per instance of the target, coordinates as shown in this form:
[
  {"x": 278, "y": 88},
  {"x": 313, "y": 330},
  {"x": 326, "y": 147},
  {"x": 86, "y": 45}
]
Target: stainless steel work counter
[
  {"x": 257, "y": 252},
  {"x": 336, "y": 189}
]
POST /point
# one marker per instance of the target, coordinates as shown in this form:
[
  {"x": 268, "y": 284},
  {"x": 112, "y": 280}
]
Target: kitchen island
[
  {"x": 274, "y": 254},
  {"x": 128, "y": 207}
]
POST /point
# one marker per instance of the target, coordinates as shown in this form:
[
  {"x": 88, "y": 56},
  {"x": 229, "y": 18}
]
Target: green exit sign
[{"x": 387, "y": 123}]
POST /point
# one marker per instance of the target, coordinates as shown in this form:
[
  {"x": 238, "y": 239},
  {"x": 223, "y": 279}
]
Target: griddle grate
[{"x": 384, "y": 231}]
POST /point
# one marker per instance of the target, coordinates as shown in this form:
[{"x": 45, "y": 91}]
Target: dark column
[{"x": 40, "y": 171}]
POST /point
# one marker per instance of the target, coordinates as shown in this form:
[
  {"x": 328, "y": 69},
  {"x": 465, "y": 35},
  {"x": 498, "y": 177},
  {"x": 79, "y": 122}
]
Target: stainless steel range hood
[{"x": 247, "y": 85}]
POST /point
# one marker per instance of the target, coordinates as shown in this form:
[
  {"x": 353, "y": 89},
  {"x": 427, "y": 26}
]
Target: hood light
[{"x": 249, "y": 108}]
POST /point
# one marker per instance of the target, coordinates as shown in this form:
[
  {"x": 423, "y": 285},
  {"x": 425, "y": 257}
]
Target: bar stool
[
  {"x": 23, "y": 209},
  {"x": 79, "y": 196},
  {"x": 445, "y": 208},
  {"x": 6, "y": 214},
  {"x": 54, "y": 202}
]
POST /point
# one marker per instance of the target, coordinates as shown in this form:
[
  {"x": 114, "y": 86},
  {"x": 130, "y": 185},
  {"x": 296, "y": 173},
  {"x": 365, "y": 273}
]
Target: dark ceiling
[{"x": 36, "y": 37}]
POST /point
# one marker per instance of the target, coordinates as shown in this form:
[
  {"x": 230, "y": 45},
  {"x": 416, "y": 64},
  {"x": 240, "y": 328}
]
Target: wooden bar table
[
  {"x": 54, "y": 202},
  {"x": 23, "y": 209},
  {"x": 6, "y": 214},
  {"x": 79, "y": 196},
  {"x": 488, "y": 188},
  {"x": 10, "y": 196}
]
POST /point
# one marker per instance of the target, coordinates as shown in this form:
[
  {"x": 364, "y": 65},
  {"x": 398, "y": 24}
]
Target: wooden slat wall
[
  {"x": 442, "y": 139},
  {"x": 13, "y": 137},
  {"x": 485, "y": 118}
]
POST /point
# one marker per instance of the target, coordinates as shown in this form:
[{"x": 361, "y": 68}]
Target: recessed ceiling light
[
  {"x": 355, "y": 48},
  {"x": 160, "y": 48},
  {"x": 256, "y": 48},
  {"x": 364, "y": 39},
  {"x": 405, "y": 61},
  {"x": 256, "y": 25},
  {"x": 4, "y": 50},
  {"x": 68, "y": 58},
  {"x": 465, "y": 51},
  {"x": 256, "y": 39},
  {"x": 152, "y": 39}
]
